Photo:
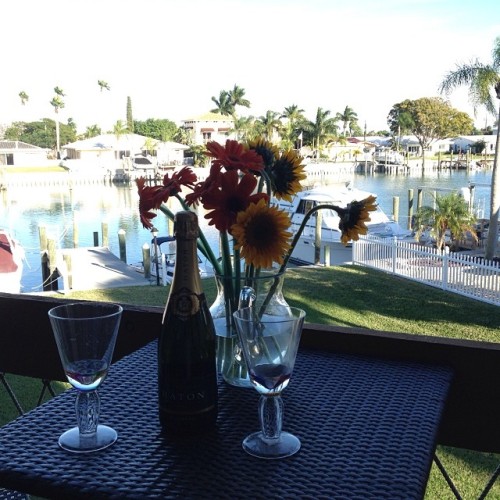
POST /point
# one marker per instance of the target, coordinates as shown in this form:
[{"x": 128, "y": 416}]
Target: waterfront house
[
  {"x": 209, "y": 127},
  {"x": 21, "y": 154},
  {"x": 108, "y": 150},
  {"x": 464, "y": 143},
  {"x": 411, "y": 145}
]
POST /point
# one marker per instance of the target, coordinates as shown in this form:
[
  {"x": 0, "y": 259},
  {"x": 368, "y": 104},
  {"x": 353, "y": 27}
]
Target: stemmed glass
[
  {"x": 270, "y": 345},
  {"x": 85, "y": 334}
]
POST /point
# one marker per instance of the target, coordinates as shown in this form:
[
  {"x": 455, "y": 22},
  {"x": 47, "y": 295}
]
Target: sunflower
[
  {"x": 286, "y": 174},
  {"x": 353, "y": 218},
  {"x": 266, "y": 149},
  {"x": 261, "y": 235},
  {"x": 233, "y": 195}
]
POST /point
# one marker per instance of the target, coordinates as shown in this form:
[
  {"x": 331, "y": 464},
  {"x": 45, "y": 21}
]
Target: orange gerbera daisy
[
  {"x": 261, "y": 234},
  {"x": 353, "y": 218},
  {"x": 233, "y": 195},
  {"x": 234, "y": 156}
]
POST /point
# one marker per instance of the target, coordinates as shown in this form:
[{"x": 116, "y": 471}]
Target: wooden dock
[{"x": 96, "y": 268}]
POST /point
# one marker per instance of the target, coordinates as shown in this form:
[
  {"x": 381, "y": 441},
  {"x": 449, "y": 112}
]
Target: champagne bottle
[{"x": 187, "y": 374}]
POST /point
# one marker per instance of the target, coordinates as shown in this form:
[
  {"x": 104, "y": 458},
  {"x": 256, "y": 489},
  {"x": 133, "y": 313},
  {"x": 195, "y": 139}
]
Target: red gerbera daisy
[
  {"x": 234, "y": 156},
  {"x": 230, "y": 198}
]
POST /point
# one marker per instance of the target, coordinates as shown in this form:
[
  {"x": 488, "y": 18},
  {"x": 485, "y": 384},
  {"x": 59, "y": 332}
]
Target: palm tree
[
  {"x": 103, "y": 85},
  {"x": 348, "y": 117},
  {"x": 322, "y": 128},
  {"x": 24, "y": 97},
  {"x": 92, "y": 131},
  {"x": 58, "y": 104},
  {"x": 119, "y": 129},
  {"x": 236, "y": 98},
  {"x": 223, "y": 103},
  {"x": 483, "y": 81},
  {"x": 243, "y": 127},
  {"x": 269, "y": 124},
  {"x": 294, "y": 117},
  {"x": 450, "y": 214}
]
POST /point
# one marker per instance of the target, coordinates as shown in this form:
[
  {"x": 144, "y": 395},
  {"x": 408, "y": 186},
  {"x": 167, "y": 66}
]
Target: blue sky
[{"x": 172, "y": 56}]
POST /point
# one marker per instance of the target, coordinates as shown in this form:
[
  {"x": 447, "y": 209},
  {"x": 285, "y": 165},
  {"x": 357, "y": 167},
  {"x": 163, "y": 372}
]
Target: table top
[{"x": 367, "y": 426}]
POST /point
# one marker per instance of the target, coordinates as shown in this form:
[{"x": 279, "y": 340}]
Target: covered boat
[
  {"x": 11, "y": 263},
  {"x": 341, "y": 195}
]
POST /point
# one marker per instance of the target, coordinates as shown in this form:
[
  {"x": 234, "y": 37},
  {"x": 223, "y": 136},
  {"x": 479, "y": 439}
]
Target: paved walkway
[{"x": 98, "y": 268}]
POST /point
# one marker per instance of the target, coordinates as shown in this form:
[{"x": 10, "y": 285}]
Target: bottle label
[{"x": 185, "y": 302}]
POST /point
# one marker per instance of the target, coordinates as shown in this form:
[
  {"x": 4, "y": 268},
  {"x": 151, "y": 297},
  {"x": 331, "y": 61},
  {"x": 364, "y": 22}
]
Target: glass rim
[
  {"x": 54, "y": 311},
  {"x": 297, "y": 314}
]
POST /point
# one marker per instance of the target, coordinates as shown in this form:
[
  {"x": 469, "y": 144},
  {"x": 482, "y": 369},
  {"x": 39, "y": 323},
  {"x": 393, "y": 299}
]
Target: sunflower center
[{"x": 260, "y": 231}]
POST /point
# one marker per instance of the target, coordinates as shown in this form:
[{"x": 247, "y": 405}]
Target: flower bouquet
[{"x": 240, "y": 195}]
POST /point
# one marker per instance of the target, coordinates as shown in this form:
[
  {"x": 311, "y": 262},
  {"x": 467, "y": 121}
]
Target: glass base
[
  {"x": 285, "y": 446},
  {"x": 72, "y": 440}
]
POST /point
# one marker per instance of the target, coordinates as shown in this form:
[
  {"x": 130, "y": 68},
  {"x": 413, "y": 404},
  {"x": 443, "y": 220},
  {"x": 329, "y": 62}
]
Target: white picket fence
[{"x": 464, "y": 274}]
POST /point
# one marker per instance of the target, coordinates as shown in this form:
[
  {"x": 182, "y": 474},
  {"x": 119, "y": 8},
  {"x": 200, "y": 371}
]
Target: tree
[
  {"x": 103, "y": 85},
  {"x": 223, "y": 103},
  {"x": 161, "y": 130},
  {"x": 228, "y": 100},
  {"x": 41, "y": 133},
  {"x": 244, "y": 127},
  {"x": 483, "y": 81},
  {"x": 24, "y": 97},
  {"x": 130, "y": 120},
  {"x": 322, "y": 129},
  {"x": 236, "y": 98},
  {"x": 450, "y": 214},
  {"x": 294, "y": 117},
  {"x": 348, "y": 118},
  {"x": 92, "y": 131},
  {"x": 119, "y": 129},
  {"x": 430, "y": 119},
  {"x": 58, "y": 104},
  {"x": 269, "y": 124}
]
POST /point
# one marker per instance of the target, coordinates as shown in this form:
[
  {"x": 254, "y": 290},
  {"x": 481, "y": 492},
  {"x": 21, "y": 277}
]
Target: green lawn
[{"x": 360, "y": 297}]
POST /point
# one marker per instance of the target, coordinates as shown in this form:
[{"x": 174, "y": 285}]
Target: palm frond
[{"x": 496, "y": 54}]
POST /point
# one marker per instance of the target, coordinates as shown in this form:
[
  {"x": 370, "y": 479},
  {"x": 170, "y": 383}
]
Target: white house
[
  {"x": 464, "y": 143},
  {"x": 107, "y": 150},
  {"x": 21, "y": 154},
  {"x": 209, "y": 127},
  {"x": 410, "y": 144}
]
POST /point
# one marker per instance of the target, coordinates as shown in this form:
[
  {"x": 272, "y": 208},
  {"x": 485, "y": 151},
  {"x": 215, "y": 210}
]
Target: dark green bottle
[{"x": 187, "y": 375}]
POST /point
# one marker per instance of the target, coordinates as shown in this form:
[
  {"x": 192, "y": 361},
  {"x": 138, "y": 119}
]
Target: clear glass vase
[{"x": 268, "y": 296}]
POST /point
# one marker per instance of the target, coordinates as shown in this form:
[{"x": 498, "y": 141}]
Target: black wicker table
[{"x": 368, "y": 430}]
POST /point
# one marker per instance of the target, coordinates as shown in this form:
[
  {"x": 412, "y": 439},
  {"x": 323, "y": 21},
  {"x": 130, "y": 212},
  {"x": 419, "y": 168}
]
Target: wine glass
[
  {"x": 270, "y": 346},
  {"x": 85, "y": 335}
]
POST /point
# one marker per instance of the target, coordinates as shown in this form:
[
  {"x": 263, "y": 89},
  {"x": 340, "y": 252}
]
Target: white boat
[
  {"x": 340, "y": 195},
  {"x": 385, "y": 155},
  {"x": 163, "y": 260},
  {"x": 11, "y": 263}
]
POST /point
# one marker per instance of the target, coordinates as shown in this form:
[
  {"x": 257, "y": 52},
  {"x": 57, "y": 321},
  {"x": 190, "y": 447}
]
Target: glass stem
[
  {"x": 87, "y": 411},
  {"x": 271, "y": 417}
]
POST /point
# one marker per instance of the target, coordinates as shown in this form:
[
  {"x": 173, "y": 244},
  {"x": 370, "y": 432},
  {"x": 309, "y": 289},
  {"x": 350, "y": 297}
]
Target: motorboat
[
  {"x": 388, "y": 156},
  {"x": 341, "y": 195},
  {"x": 11, "y": 263},
  {"x": 163, "y": 251},
  {"x": 141, "y": 162}
]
